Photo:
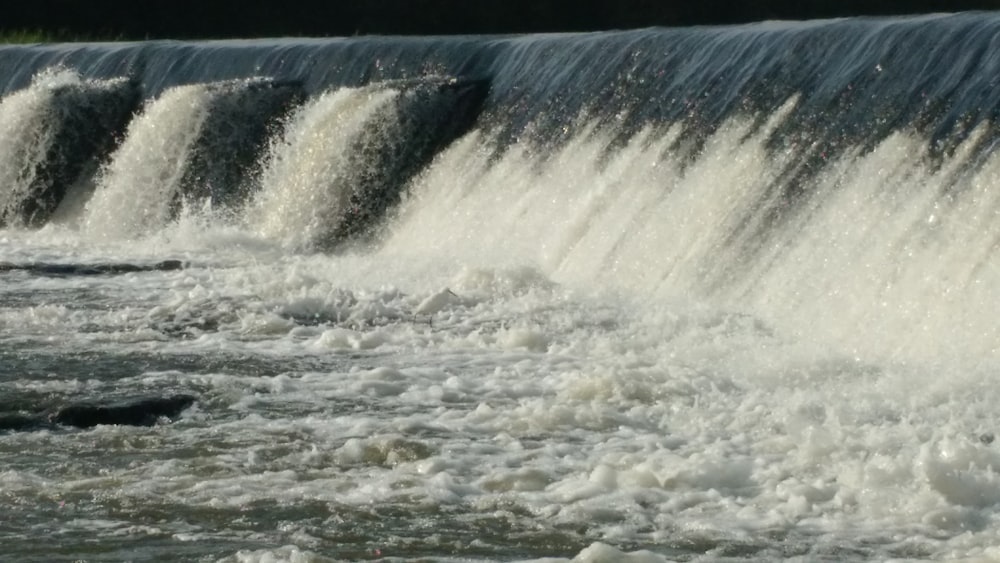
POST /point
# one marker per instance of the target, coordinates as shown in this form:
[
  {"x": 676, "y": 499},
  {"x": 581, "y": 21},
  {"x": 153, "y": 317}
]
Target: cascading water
[
  {"x": 306, "y": 185},
  {"x": 348, "y": 155},
  {"x": 54, "y": 134},
  {"x": 27, "y": 136},
  {"x": 138, "y": 188},
  {"x": 197, "y": 141},
  {"x": 648, "y": 295},
  {"x": 232, "y": 140}
]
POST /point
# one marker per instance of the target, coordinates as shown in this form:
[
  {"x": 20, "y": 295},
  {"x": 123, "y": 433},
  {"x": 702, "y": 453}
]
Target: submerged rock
[
  {"x": 21, "y": 423},
  {"x": 133, "y": 412},
  {"x": 144, "y": 412},
  {"x": 45, "y": 269}
]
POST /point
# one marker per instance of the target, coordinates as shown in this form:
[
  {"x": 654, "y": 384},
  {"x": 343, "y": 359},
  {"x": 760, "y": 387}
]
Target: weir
[
  {"x": 721, "y": 162},
  {"x": 703, "y": 292}
]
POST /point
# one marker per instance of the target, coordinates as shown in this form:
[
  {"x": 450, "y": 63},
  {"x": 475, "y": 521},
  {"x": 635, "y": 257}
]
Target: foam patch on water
[
  {"x": 653, "y": 422},
  {"x": 638, "y": 422},
  {"x": 284, "y": 554},
  {"x": 603, "y": 553}
]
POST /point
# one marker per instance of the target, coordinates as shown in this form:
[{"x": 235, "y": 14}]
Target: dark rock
[
  {"x": 22, "y": 423},
  {"x": 142, "y": 412},
  {"x": 44, "y": 269}
]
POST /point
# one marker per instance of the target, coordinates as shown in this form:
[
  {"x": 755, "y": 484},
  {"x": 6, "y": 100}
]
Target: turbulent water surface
[{"x": 662, "y": 295}]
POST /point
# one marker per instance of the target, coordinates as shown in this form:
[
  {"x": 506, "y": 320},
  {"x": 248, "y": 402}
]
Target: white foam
[
  {"x": 284, "y": 554},
  {"x": 599, "y": 552}
]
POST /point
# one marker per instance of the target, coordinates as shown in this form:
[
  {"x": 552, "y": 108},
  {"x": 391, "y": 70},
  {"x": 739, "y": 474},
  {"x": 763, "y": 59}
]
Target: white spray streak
[
  {"x": 137, "y": 189},
  {"x": 28, "y": 121},
  {"x": 896, "y": 257},
  {"x": 637, "y": 220},
  {"x": 305, "y": 187},
  {"x": 886, "y": 255}
]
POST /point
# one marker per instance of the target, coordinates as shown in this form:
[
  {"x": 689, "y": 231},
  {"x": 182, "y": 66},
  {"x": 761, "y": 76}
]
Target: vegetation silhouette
[{"x": 68, "y": 20}]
